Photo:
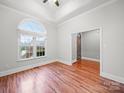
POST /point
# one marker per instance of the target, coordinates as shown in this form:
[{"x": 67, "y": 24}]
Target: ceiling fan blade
[
  {"x": 44, "y": 1},
  {"x": 57, "y": 3}
]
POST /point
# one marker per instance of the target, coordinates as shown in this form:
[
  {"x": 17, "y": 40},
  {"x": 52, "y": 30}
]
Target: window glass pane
[
  {"x": 26, "y": 46},
  {"x": 26, "y": 40},
  {"x": 40, "y": 46},
  {"x": 32, "y": 26}
]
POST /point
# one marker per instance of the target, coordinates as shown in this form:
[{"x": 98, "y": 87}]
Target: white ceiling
[{"x": 49, "y": 11}]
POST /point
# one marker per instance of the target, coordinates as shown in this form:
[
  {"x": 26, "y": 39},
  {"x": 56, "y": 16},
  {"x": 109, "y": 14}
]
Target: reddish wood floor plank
[{"x": 81, "y": 77}]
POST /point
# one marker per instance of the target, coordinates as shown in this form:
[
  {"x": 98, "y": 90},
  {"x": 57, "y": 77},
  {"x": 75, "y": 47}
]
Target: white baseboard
[
  {"x": 26, "y": 67},
  {"x": 74, "y": 60},
  {"x": 22, "y": 68},
  {"x": 65, "y": 62},
  {"x": 97, "y": 60},
  {"x": 112, "y": 77}
]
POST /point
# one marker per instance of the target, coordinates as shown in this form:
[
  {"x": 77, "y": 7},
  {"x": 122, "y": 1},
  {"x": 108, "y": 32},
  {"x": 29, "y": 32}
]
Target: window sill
[{"x": 27, "y": 59}]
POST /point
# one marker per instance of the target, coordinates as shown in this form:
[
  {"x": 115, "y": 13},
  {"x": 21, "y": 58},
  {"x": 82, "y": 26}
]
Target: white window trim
[{"x": 35, "y": 34}]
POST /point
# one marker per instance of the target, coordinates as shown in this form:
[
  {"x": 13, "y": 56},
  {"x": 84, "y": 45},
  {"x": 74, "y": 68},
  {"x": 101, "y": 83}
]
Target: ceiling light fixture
[{"x": 56, "y": 2}]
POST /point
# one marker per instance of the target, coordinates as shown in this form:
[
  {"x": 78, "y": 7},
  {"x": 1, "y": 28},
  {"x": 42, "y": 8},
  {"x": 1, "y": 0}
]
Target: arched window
[{"x": 31, "y": 39}]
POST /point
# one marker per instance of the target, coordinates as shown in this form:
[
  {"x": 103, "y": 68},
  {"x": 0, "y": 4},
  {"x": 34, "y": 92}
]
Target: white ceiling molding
[{"x": 52, "y": 13}]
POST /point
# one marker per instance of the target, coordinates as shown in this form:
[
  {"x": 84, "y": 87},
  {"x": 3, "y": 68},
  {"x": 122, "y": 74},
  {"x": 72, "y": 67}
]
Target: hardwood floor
[{"x": 81, "y": 77}]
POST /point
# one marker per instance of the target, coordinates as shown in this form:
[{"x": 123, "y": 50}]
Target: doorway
[
  {"x": 78, "y": 46},
  {"x": 87, "y": 45}
]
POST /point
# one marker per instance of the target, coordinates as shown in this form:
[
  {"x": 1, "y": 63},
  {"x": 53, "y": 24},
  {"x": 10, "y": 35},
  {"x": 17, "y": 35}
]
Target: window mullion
[
  {"x": 34, "y": 46},
  {"x": 19, "y": 55}
]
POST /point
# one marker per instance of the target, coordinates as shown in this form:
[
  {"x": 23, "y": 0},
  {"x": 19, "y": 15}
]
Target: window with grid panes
[{"x": 31, "y": 40}]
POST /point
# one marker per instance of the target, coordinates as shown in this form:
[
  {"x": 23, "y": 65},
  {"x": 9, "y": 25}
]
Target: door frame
[
  {"x": 78, "y": 43},
  {"x": 101, "y": 45}
]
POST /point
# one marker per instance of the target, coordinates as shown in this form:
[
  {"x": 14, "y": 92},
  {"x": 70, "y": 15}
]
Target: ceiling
[{"x": 49, "y": 11}]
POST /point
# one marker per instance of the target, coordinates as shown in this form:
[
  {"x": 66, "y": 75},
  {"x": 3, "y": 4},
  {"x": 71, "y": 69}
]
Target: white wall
[
  {"x": 9, "y": 20},
  {"x": 110, "y": 19},
  {"x": 90, "y": 44},
  {"x": 74, "y": 47}
]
